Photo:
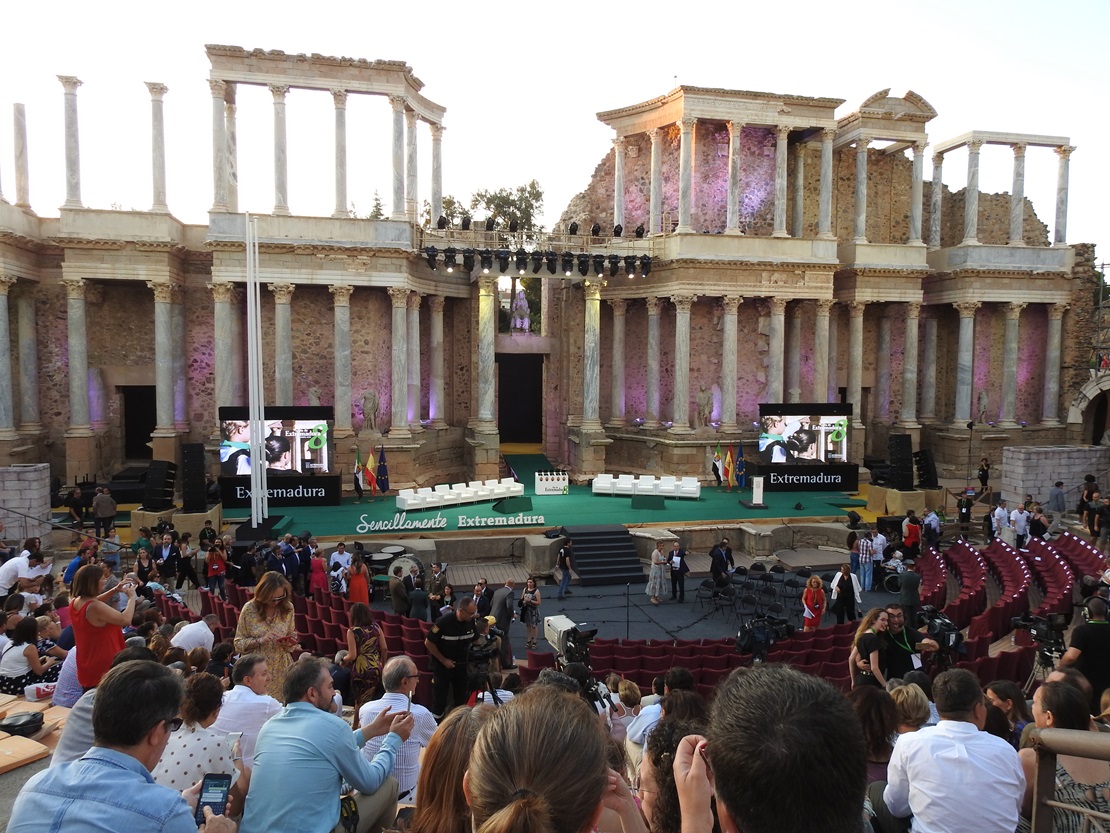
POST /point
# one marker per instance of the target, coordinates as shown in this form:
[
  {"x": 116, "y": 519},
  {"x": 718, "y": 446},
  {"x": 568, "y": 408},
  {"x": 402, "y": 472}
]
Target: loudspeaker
[
  {"x": 158, "y": 494},
  {"x": 889, "y": 523},
  {"x": 512, "y": 505},
  {"x": 648, "y": 502},
  {"x": 194, "y": 490},
  {"x": 926, "y": 469},
  {"x": 900, "y": 449},
  {"x": 853, "y": 519}
]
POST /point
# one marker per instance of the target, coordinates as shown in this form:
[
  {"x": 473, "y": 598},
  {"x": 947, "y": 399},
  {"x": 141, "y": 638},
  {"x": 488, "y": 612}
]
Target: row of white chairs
[
  {"x": 647, "y": 484},
  {"x": 456, "y": 494}
]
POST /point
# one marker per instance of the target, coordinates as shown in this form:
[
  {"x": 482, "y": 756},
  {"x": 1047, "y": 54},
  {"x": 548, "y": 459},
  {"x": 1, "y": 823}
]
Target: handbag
[{"x": 23, "y": 724}]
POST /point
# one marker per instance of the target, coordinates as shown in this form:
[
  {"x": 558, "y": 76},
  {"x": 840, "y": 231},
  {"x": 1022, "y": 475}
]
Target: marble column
[
  {"x": 437, "y": 172},
  {"x": 397, "y": 102},
  {"x": 824, "y": 202},
  {"x": 732, "y": 222},
  {"x": 730, "y": 305},
  {"x": 1017, "y": 198},
  {"x": 411, "y": 178},
  {"x": 341, "y": 209},
  {"x": 834, "y": 353},
  {"x": 685, "y": 173},
  {"x": 651, "y": 417},
  {"x": 798, "y": 218},
  {"x": 30, "y": 421},
  {"x": 882, "y": 369},
  {"x": 971, "y": 196},
  {"x": 680, "y": 410},
  {"x": 437, "y": 398},
  {"x": 158, "y": 147},
  {"x": 341, "y": 312},
  {"x": 856, "y": 310},
  {"x": 223, "y": 340},
  {"x": 591, "y": 356},
  {"x": 283, "y": 342},
  {"x": 861, "y": 191},
  {"x": 616, "y": 417},
  {"x": 77, "y": 347},
  {"x": 72, "y": 144},
  {"x": 792, "y": 383},
  {"x": 916, "y": 192},
  {"x": 1050, "y": 406},
  {"x": 935, "y": 201},
  {"x": 232, "y": 134},
  {"x": 1008, "y": 416},
  {"x": 908, "y": 416},
  {"x": 22, "y": 178},
  {"x": 928, "y": 411},
  {"x": 781, "y": 134},
  {"x": 399, "y": 376},
  {"x": 655, "y": 209},
  {"x": 965, "y": 357},
  {"x": 180, "y": 360},
  {"x": 281, "y": 157},
  {"x": 412, "y": 333},
  {"x": 821, "y": 351},
  {"x": 775, "y": 349},
  {"x": 7, "y": 411},
  {"x": 219, "y": 146},
  {"x": 1060, "y": 232},
  {"x": 163, "y": 356},
  {"x": 487, "y": 326},
  {"x": 618, "y": 180}
]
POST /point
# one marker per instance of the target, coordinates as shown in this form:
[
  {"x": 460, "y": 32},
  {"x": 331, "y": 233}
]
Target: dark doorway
[
  {"x": 139, "y": 420},
  {"x": 1098, "y": 421},
  {"x": 520, "y": 397}
]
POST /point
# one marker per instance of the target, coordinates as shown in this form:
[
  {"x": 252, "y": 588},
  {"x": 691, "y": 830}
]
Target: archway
[{"x": 1090, "y": 410}]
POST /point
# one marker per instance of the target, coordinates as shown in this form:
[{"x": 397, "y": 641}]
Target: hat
[{"x": 492, "y": 620}]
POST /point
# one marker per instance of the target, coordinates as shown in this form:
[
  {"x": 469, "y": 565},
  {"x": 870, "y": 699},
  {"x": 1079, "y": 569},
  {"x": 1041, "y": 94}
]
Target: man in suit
[
  {"x": 720, "y": 560},
  {"x": 435, "y": 584},
  {"x": 398, "y": 595},
  {"x": 410, "y": 579},
  {"x": 679, "y": 569},
  {"x": 503, "y": 609},
  {"x": 275, "y": 561},
  {"x": 167, "y": 556},
  {"x": 483, "y": 597}
]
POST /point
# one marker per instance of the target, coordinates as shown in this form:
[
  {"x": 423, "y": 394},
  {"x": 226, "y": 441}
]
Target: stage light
[
  {"x": 466, "y": 224},
  {"x": 468, "y": 260},
  {"x": 568, "y": 263},
  {"x": 573, "y": 228},
  {"x": 490, "y": 224},
  {"x": 614, "y": 265},
  {"x": 513, "y": 226},
  {"x": 552, "y": 261},
  {"x": 431, "y": 252},
  {"x": 503, "y": 260},
  {"x": 853, "y": 519},
  {"x": 537, "y": 261},
  {"x": 521, "y": 261},
  {"x": 618, "y": 230},
  {"x": 599, "y": 265},
  {"x": 630, "y": 265},
  {"x": 645, "y": 265},
  {"x": 640, "y": 231},
  {"x": 583, "y": 264},
  {"x": 595, "y": 230},
  {"x": 441, "y": 223},
  {"x": 449, "y": 259},
  {"x": 486, "y": 258}
]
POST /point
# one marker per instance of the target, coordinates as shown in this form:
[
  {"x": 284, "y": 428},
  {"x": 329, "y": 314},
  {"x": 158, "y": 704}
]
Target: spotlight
[
  {"x": 853, "y": 519},
  {"x": 630, "y": 265},
  {"x": 490, "y": 224},
  {"x": 466, "y": 224},
  {"x": 595, "y": 230},
  {"x": 583, "y": 264},
  {"x": 503, "y": 260},
  {"x": 599, "y": 265},
  {"x": 573, "y": 228},
  {"x": 486, "y": 258},
  {"x": 618, "y": 230},
  {"x": 537, "y": 261},
  {"x": 639, "y": 230},
  {"x": 441, "y": 223},
  {"x": 431, "y": 252},
  {"x": 614, "y": 265},
  {"x": 568, "y": 263},
  {"x": 645, "y": 265},
  {"x": 468, "y": 260},
  {"x": 449, "y": 259},
  {"x": 521, "y": 261},
  {"x": 513, "y": 226},
  {"x": 551, "y": 259}
]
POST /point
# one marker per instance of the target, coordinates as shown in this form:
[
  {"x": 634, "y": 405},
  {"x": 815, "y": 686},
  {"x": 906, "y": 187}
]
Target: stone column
[
  {"x": 411, "y": 178},
  {"x": 971, "y": 196},
  {"x": 861, "y": 191},
  {"x": 834, "y": 353},
  {"x": 655, "y": 210},
  {"x": 7, "y": 412},
  {"x": 591, "y": 357},
  {"x": 856, "y": 310},
  {"x": 158, "y": 147},
  {"x": 223, "y": 341},
  {"x": 908, "y": 416},
  {"x": 237, "y": 348},
  {"x": 180, "y": 361},
  {"x": 651, "y": 418},
  {"x": 680, "y": 412},
  {"x": 341, "y": 311},
  {"x": 1050, "y": 407},
  {"x": 882, "y": 369},
  {"x": 219, "y": 146},
  {"x": 283, "y": 342},
  {"x": 792, "y": 382},
  {"x": 78, "y": 348},
  {"x": 281, "y": 158},
  {"x": 413, "y": 338},
  {"x": 781, "y": 134},
  {"x": 686, "y": 173},
  {"x": 916, "y": 190},
  {"x": 935, "y": 201},
  {"x": 775, "y": 349},
  {"x": 821, "y": 352},
  {"x": 964, "y": 361},
  {"x": 399, "y": 376},
  {"x": 928, "y": 411},
  {"x": 73, "y": 145},
  {"x": 798, "y": 219},
  {"x": 437, "y": 173},
  {"x": 1008, "y": 417},
  {"x": 232, "y": 134},
  {"x": 397, "y": 102},
  {"x": 163, "y": 356},
  {"x": 487, "y": 327},
  {"x": 732, "y": 223},
  {"x": 1017, "y": 198},
  {"x": 341, "y": 209},
  {"x": 824, "y": 207},
  {"x": 30, "y": 421},
  {"x": 437, "y": 398},
  {"x": 1060, "y": 232},
  {"x": 730, "y": 305},
  {"x": 616, "y": 417},
  {"x": 22, "y": 178},
  {"x": 618, "y": 181}
]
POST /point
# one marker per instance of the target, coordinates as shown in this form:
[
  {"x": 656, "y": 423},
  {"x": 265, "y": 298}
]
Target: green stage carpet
[{"x": 525, "y": 467}]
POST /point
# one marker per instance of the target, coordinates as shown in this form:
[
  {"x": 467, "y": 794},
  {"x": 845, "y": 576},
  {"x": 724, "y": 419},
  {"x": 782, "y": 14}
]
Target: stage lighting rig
[
  {"x": 645, "y": 265},
  {"x": 513, "y": 226},
  {"x": 537, "y": 261},
  {"x": 486, "y": 259},
  {"x": 595, "y": 230},
  {"x": 552, "y": 261},
  {"x": 449, "y": 259},
  {"x": 583, "y": 264},
  {"x": 521, "y": 261},
  {"x": 468, "y": 260},
  {"x": 503, "y": 260},
  {"x": 618, "y": 230},
  {"x": 466, "y": 224},
  {"x": 431, "y": 252},
  {"x": 573, "y": 229},
  {"x": 640, "y": 231},
  {"x": 491, "y": 224},
  {"x": 630, "y": 266},
  {"x": 568, "y": 263},
  {"x": 614, "y": 265},
  {"x": 441, "y": 223},
  {"x": 599, "y": 265}
]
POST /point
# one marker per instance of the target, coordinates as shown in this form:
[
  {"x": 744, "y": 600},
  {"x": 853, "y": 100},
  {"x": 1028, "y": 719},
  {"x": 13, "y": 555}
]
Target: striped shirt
[{"x": 866, "y": 550}]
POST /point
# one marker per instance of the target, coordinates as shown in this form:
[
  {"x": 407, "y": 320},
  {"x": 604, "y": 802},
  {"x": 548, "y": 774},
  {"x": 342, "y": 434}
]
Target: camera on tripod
[
  {"x": 940, "y": 628},
  {"x": 570, "y": 639},
  {"x": 760, "y": 634},
  {"x": 1047, "y": 631}
]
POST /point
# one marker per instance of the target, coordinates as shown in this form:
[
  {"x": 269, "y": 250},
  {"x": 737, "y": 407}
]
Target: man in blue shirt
[
  {"x": 110, "y": 788},
  {"x": 305, "y": 752}
]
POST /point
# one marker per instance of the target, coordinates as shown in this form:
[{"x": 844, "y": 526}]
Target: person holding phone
[{"x": 266, "y": 627}]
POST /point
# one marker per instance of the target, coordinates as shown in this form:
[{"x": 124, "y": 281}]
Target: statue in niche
[
  {"x": 314, "y": 396},
  {"x": 521, "y": 321},
  {"x": 705, "y": 407},
  {"x": 982, "y": 404},
  {"x": 370, "y": 410}
]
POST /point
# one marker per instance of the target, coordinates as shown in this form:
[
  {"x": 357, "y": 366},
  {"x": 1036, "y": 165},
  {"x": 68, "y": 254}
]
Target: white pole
[{"x": 259, "y": 501}]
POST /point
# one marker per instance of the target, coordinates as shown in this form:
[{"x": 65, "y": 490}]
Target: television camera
[{"x": 571, "y": 640}]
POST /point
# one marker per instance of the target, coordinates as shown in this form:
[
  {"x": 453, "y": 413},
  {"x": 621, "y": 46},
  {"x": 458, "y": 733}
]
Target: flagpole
[{"x": 259, "y": 499}]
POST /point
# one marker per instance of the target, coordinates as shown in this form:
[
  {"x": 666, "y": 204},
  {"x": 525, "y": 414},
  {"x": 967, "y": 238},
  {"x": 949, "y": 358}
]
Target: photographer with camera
[
  {"x": 483, "y": 656},
  {"x": 1089, "y": 651}
]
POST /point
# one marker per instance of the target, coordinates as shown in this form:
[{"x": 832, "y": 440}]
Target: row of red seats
[
  {"x": 968, "y": 564},
  {"x": 934, "y": 578},
  {"x": 1012, "y": 574},
  {"x": 1007, "y": 665},
  {"x": 1084, "y": 558}
]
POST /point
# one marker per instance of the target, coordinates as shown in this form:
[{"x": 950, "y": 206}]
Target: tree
[
  {"x": 452, "y": 209},
  {"x": 377, "y": 212},
  {"x": 523, "y": 204}
]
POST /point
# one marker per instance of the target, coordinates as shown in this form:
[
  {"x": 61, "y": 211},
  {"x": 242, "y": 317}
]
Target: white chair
[
  {"x": 689, "y": 487},
  {"x": 603, "y": 484},
  {"x": 446, "y": 496},
  {"x": 625, "y": 484},
  {"x": 500, "y": 489},
  {"x": 481, "y": 490},
  {"x": 465, "y": 495},
  {"x": 408, "y": 499},
  {"x": 645, "y": 484},
  {"x": 667, "y": 485},
  {"x": 515, "y": 489},
  {"x": 430, "y": 497}
]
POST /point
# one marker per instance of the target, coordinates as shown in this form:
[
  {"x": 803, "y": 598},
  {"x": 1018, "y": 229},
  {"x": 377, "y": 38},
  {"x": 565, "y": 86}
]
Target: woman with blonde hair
[
  {"x": 266, "y": 627},
  {"x": 442, "y": 807},
  {"x": 813, "y": 603},
  {"x": 868, "y": 649},
  {"x": 912, "y": 706},
  {"x": 657, "y": 578}
]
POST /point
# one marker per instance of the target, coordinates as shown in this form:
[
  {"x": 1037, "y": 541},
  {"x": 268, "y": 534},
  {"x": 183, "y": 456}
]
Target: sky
[{"x": 522, "y": 84}]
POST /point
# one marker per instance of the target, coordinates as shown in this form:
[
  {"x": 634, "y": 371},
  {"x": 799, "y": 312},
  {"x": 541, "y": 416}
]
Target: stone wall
[
  {"x": 1032, "y": 471},
  {"x": 25, "y": 489}
]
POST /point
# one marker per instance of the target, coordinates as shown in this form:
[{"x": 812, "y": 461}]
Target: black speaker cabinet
[
  {"x": 926, "y": 469},
  {"x": 160, "y": 478},
  {"x": 194, "y": 490},
  {"x": 900, "y": 448}
]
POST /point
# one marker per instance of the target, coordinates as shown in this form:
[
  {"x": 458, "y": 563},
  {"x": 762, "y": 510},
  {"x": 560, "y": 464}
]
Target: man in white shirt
[
  {"x": 24, "y": 573},
  {"x": 1001, "y": 518},
  {"x": 247, "y": 706},
  {"x": 952, "y": 776},
  {"x": 879, "y": 544},
  {"x": 197, "y": 634},
  {"x": 399, "y": 678},
  {"x": 1019, "y": 520}
]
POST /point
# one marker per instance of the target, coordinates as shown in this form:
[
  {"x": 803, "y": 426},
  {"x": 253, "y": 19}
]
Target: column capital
[
  {"x": 828, "y": 134},
  {"x": 70, "y": 83},
  {"x": 1013, "y": 310},
  {"x": 782, "y": 131},
  {"x": 862, "y": 144},
  {"x": 795, "y": 310},
  {"x": 218, "y": 88},
  {"x": 487, "y": 285},
  {"x": 413, "y": 302},
  {"x": 619, "y": 143},
  {"x": 397, "y": 102},
  {"x": 436, "y": 303},
  {"x": 437, "y": 130},
  {"x": 687, "y": 123},
  {"x": 777, "y": 306},
  {"x": 682, "y": 303},
  {"x": 919, "y": 148},
  {"x": 222, "y": 291},
  {"x": 341, "y": 294},
  {"x": 1064, "y": 151},
  {"x": 619, "y": 305},
  {"x": 278, "y": 91},
  {"x": 1019, "y": 149},
  {"x": 1056, "y": 311},
  {"x": 177, "y": 293},
  {"x": 652, "y": 305},
  {"x": 591, "y": 290},
  {"x": 967, "y": 309},
  {"x": 913, "y": 309},
  {"x": 734, "y": 128},
  {"x": 156, "y": 90},
  {"x": 283, "y": 292},
  {"x": 938, "y": 160},
  {"x": 974, "y": 145},
  {"x": 340, "y": 99},
  {"x": 75, "y": 288},
  {"x": 731, "y": 303},
  {"x": 856, "y": 309},
  {"x": 824, "y": 307},
  {"x": 655, "y": 134},
  {"x": 6, "y": 283},
  {"x": 163, "y": 291}
]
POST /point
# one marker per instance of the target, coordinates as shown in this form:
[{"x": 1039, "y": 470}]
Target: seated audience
[
  {"x": 20, "y": 665},
  {"x": 443, "y": 807},
  {"x": 68, "y": 690},
  {"x": 638, "y": 729},
  {"x": 220, "y": 664},
  {"x": 1008, "y": 697},
  {"x": 247, "y": 706},
  {"x": 656, "y": 784},
  {"x": 912, "y": 706},
  {"x": 922, "y": 681},
  {"x": 200, "y": 634}
]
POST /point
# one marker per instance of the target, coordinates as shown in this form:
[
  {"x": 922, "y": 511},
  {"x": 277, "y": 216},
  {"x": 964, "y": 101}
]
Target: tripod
[{"x": 1044, "y": 665}]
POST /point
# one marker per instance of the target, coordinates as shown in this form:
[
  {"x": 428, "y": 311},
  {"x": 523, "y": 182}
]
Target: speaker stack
[
  {"x": 158, "y": 494},
  {"x": 900, "y": 450},
  {"x": 926, "y": 469},
  {"x": 194, "y": 497}
]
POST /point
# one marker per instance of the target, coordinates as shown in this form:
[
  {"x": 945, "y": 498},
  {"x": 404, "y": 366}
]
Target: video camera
[
  {"x": 760, "y": 634},
  {"x": 1047, "y": 632},
  {"x": 939, "y": 628},
  {"x": 570, "y": 639}
]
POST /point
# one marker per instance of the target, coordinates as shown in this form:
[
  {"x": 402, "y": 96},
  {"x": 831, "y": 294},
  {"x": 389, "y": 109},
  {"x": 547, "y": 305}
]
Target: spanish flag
[{"x": 728, "y": 469}]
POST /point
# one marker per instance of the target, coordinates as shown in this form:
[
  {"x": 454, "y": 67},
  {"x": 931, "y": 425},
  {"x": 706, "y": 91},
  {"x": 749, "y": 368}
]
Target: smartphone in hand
[{"x": 213, "y": 793}]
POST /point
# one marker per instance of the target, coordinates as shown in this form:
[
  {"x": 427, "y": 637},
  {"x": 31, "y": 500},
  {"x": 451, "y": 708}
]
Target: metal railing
[{"x": 1048, "y": 743}]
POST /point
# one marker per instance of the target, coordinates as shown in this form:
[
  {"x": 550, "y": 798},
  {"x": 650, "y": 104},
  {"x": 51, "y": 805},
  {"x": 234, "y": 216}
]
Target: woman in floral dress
[{"x": 266, "y": 627}]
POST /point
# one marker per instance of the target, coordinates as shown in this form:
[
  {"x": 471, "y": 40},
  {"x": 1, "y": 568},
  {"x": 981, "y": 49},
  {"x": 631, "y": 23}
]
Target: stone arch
[{"x": 1081, "y": 413}]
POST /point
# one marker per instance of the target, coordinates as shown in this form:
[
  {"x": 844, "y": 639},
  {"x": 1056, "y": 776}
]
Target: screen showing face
[
  {"x": 803, "y": 438},
  {"x": 290, "y": 445}
]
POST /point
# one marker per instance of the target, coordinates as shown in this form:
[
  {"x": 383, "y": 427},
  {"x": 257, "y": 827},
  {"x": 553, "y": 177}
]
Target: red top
[
  {"x": 96, "y": 646},
  {"x": 913, "y": 534}
]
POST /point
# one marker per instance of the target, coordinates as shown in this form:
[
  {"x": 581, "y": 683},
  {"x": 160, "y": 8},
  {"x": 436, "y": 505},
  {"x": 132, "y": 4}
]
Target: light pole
[{"x": 970, "y": 435}]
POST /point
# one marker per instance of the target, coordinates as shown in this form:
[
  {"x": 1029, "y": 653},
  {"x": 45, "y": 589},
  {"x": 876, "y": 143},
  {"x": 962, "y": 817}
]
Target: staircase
[{"x": 605, "y": 554}]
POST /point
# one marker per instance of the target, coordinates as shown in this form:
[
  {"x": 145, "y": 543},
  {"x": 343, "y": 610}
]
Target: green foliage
[
  {"x": 523, "y": 204},
  {"x": 452, "y": 209},
  {"x": 377, "y": 212},
  {"x": 533, "y": 293}
]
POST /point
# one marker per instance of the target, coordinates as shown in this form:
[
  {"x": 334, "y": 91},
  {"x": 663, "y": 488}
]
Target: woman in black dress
[
  {"x": 868, "y": 649},
  {"x": 984, "y": 474}
]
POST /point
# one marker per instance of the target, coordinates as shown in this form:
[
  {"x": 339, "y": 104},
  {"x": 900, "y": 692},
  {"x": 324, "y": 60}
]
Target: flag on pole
[
  {"x": 741, "y": 475},
  {"x": 728, "y": 468},
  {"x": 383, "y": 472},
  {"x": 717, "y": 462},
  {"x": 360, "y": 473}
]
